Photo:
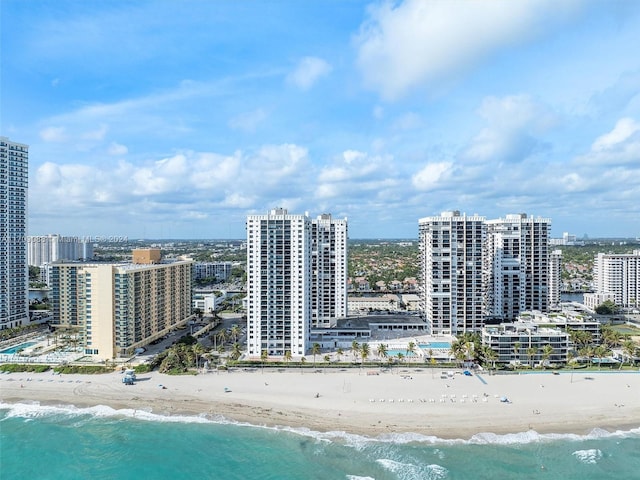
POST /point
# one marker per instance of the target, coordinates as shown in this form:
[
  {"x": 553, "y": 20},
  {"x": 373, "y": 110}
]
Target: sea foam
[
  {"x": 409, "y": 471},
  {"x": 359, "y": 442},
  {"x": 588, "y": 456}
]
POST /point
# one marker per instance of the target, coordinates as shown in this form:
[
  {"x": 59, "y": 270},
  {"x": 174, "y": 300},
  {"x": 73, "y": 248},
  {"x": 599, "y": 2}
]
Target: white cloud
[
  {"x": 248, "y": 121},
  {"x": 97, "y": 134},
  {"x": 308, "y": 71},
  {"x": 431, "y": 176},
  {"x": 624, "y": 129},
  {"x": 416, "y": 42},
  {"x": 117, "y": 149},
  {"x": 53, "y": 134},
  {"x": 620, "y": 146},
  {"x": 515, "y": 124}
]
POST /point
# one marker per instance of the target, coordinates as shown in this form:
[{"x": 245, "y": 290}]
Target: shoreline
[{"x": 358, "y": 402}]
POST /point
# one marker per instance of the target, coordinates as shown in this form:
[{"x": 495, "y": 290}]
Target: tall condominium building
[
  {"x": 516, "y": 271},
  {"x": 617, "y": 278},
  {"x": 328, "y": 270},
  {"x": 221, "y": 271},
  {"x": 278, "y": 283},
  {"x": 14, "y": 276},
  {"x": 43, "y": 249},
  {"x": 555, "y": 278},
  {"x": 451, "y": 272},
  {"x": 112, "y": 309}
]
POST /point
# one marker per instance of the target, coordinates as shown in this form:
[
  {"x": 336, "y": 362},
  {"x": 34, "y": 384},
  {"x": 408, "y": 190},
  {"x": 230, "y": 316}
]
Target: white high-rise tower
[
  {"x": 329, "y": 270},
  {"x": 14, "y": 274},
  {"x": 278, "y": 283},
  {"x": 451, "y": 272},
  {"x": 517, "y": 265}
]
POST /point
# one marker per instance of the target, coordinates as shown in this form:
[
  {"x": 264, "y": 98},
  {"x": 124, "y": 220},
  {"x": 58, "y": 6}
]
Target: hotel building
[
  {"x": 278, "y": 283},
  {"x": 14, "y": 274},
  {"x": 617, "y": 278},
  {"x": 328, "y": 270},
  {"x": 112, "y": 309},
  {"x": 451, "y": 272},
  {"x": 42, "y": 249},
  {"x": 516, "y": 266}
]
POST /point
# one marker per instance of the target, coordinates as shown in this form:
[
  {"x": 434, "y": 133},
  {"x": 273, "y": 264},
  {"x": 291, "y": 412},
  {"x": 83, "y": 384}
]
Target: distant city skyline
[{"x": 176, "y": 120}]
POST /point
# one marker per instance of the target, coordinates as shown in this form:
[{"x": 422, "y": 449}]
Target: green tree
[
  {"x": 315, "y": 350},
  {"x": 547, "y": 351},
  {"x": 608, "y": 307},
  {"x": 629, "y": 350},
  {"x": 382, "y": 350},
  {"x": 235, "y": 333},
  {"x": 531, "y": 353},
  {"x": 364, "y": 352},
  {"x": 355, "y": 349},
  {"x": 516, "y": 351},
  {"x": 236, "y": 351},
  {"x": 411, "y": 348},
  {"x": 339, "y": 353},
  {"x": 287, "y": 356},
  {"x": 490, "y": 356},
  {"x": 222, "y": 336},
  {"x": 264, "y": 355}
]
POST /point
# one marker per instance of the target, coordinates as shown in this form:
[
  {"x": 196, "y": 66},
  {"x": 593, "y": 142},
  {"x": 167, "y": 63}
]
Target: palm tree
[
  {"x": 222, "y": 336},
  {"x": 411, "y": 348},
  {"x": 600, "y": 352},
  {"x": 516, "y": 350},
  {"x": 236, "y": 351},
  {"x": 382, "y": 350},
  {"x": 287, "y": 356},
  {"x": 264, "y": 355},
  {"x": 400, "y": 357},
  {"x": 198, "y": 351},
  {"x": 303, "y": 360},
  {"x": 469, "y": 349},
  {"x": 339, "y": 353},
  {"x": 547, "y": 351},
  {"x": 315, "y": 350},
  {"x": 490, "y": 355},
  {"x": 355, "y": 349},
  {"x": 327, "y": 359},
  {"x": 364, "y": 352},
  {"x": 629, "y": 350},
  {"x": 235, "y": 333},
  {"x": 588, "y": 352},
  {"x": 610, "y": 337},
  {"x": 531, "y": 352}
]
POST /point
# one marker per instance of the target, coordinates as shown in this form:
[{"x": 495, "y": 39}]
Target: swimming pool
[
  {"x": 394, "y": 353},
  {"x": 15, "y": 349},
  {"x": 427, "y": 346}
]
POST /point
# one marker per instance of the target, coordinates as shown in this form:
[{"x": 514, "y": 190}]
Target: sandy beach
[{"x": 360, "y": 401}]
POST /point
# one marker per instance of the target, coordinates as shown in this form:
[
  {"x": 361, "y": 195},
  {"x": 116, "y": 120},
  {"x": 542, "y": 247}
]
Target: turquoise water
[
  {"x": 427, "y": 346},
  {"x": 15, "y": 349},
  {"x": 100, "y": 443},
  {"x": 394, "y": 353}
]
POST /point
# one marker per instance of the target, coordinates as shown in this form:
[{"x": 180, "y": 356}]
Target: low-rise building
[
  {"x": 524, "y": 343},
  {"x": 358, "y": 305}
]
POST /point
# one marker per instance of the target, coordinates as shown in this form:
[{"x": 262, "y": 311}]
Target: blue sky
[{"x": 176, "y": 119}]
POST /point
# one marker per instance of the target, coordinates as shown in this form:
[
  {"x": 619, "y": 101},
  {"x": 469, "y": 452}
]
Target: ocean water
[{"x": 42, "y": 442}]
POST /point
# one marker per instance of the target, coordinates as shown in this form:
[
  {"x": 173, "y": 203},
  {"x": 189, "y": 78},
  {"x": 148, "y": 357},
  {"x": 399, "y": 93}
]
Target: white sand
[{"x": 357, "y": 402}]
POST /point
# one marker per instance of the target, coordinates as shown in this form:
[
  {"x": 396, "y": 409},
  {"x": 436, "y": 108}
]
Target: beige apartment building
[{"x": 112, "y": 309}]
